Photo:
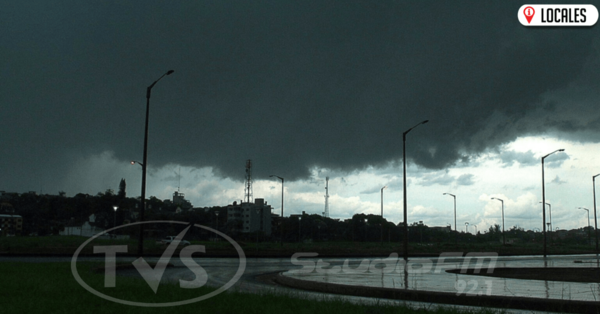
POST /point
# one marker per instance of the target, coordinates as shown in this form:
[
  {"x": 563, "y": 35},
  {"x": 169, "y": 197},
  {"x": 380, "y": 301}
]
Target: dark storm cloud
[{"x": 290, "y": 85}]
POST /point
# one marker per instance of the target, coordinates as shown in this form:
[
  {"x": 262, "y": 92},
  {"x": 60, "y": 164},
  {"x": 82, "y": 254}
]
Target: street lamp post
[
  {"x": 144, "y": 164},
  {"x": 595, "y": 219},
  {"x": 550, "y": 213},
  {"x": 454, "y": 196},
  {"x": 300, "y": 229},
  {"x": 503, "y": 236},
  {"x": 544, "y": 201},
  {"x": 382, "y": 212},
  {"x": 588, "y": 231},
  {"x": 115, "y": 207},
  {"x": 280, "y": 178},
  {"x": 258, "y": 226},
  {"x": 404, "y": 187},
  {"x": 466, "y": 227}
]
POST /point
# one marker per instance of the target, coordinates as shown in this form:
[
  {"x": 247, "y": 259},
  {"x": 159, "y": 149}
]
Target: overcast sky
[{"x": 306, "y": 89}]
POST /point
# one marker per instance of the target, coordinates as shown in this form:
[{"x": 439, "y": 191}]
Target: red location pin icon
[{"x": 529, "y": 12}]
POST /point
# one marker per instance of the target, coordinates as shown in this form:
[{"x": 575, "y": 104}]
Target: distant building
[
  {"x": 11, "y": 224},
  {"x": 253, "y": 216},
  {"x": 8, "y": 196},
  {"x": 441, "y": 229},
  {"x": 87, "y": 230},
  {"x": 180, "y": 201}
]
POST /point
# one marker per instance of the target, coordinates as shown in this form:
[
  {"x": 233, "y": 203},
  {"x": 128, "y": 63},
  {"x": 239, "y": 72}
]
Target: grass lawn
[{"x": 50, "y": 288}]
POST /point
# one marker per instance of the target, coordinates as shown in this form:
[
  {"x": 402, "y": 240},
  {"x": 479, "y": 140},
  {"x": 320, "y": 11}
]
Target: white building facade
[{"x": 251, "y": 217}]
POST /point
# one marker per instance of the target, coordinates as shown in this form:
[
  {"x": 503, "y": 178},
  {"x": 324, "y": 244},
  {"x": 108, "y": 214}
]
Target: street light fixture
[
  {"x": 588, "y": 231},
  {"x": 404, "y": 187},
  {"x": 144, "y": 163},
  {"x": 133, "y": 162},
  {"x": 280, "y": 178},
  {"x": 503, "y": 236},
  {"x": 544, "y": 200},
  {"x": 595, "y": 219}
]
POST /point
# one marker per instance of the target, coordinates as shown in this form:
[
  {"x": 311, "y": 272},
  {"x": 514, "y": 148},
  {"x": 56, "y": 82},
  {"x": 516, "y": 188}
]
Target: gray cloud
[
  {"x": 558, "y": 181},
  {"x": 556, "y": 160},
  {"x": 437, "y": 178},
  {"x": 465, "y": 179},
  {"x": 508, "y": 158},
  {"x": 290, "y": 85}
]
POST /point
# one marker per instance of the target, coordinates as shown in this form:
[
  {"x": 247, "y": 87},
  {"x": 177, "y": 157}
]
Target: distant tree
[
  {"x": 122, "y": 192},
  {"x": 62, "y": 193}
]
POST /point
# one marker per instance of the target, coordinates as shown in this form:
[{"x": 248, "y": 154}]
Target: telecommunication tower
[
  {"x": 248, "y": 186},
  {"x": 326, "y": 212}
]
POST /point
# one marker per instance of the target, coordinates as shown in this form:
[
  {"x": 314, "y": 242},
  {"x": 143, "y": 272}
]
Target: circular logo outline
[{"x": 229, "y": 284}]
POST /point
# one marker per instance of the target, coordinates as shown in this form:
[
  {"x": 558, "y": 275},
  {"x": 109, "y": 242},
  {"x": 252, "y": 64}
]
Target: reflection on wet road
[{"x": 429, "y": 274}]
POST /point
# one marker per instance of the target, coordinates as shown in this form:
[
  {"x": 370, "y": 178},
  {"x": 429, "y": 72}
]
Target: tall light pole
[
  {"x": 300, "y": 229},
  {"x": 280, "y": 178},
  {"x": 382, "y": 212},
  {"x": 550, "y": 213},
  {"x": 503, "y": 236},
  {"x": 454, "y": 196},
  {"x": 544, "y": 201},
  {"x": 595, "y": 219},
  {"x": 466, "y": 227},
  {"x": 144, "y": 164},
  {"x": 115, "y": 207},
  {"x": 258, "y": 210},
  {"x": 382, "y": 200},
  {"x": 404, "y": 187},
  {"x": 588, "y": 232}
]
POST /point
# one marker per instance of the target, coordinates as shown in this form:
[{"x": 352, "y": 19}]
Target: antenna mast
[
  {"x": 326, "y": 212},
  {"x": 248, "y": 186}
]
